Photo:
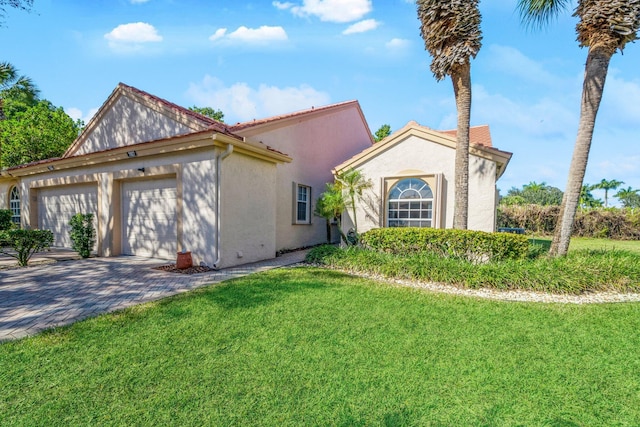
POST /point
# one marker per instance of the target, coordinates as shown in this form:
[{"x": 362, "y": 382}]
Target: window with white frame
[
  {"x": 302, "y": 207},
  {"x": 410, "y": 204},
  {"x": 14, "y": 205}
]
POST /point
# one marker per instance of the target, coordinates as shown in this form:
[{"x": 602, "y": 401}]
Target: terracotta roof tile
[{"x": 479, "y": 135}]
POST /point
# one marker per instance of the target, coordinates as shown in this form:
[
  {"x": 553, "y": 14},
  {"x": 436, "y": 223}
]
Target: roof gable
[
  {"x": 131, "y": 116},
  {"x": 480, "y": 147}
]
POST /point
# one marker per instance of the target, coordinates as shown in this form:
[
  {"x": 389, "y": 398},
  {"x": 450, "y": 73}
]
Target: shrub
[
  {"x": 5, "y": 219},
  {"x": 476, "y": 246},
  {"x": 24, "y": 243},
  {"x": 83, "y": 234}
]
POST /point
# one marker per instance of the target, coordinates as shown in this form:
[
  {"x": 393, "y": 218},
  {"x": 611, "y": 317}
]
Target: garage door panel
[
  {"x": 57, "y": 205},
  {"x": 149, "y": 218}
]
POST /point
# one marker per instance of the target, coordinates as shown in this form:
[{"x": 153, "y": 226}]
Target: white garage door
[
  {"x": 149, "y": 220},
  {"x": 57, "y": 205}
]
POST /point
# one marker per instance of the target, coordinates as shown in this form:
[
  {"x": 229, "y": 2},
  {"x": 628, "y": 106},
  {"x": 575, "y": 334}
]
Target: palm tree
[
  {"x": 353, "y": 183},
  {"x": 330, "y": 206},
  {"x": 606, "y": 186},
  {"x": 16, "y": 4},
  {"x": 451, "y": 33},
  {"x": 629, "y": 197},
  {"x": 604, "y": 26},
  {"x": 14, "y": 86}
]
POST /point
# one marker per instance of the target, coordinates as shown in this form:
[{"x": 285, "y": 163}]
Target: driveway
[{"x": 43, "y": 296}]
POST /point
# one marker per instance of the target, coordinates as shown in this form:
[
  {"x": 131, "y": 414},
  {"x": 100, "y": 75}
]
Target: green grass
[
  {"x": 314, "y": 347},
  {"x": 578, "y": 243}
]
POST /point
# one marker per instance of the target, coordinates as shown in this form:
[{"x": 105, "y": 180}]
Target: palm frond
[{"x": 539, "y": 13}]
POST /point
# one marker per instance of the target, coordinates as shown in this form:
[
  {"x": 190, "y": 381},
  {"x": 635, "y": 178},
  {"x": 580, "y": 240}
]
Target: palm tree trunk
[
  {"x": 595, "y": 76},
  {"x": 461, "y": 79}
]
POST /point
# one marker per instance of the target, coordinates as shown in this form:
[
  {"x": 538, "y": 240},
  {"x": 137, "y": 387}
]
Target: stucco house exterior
[
  {"x": 160, "y": 179},
  {"x": 412, "y": 173}
]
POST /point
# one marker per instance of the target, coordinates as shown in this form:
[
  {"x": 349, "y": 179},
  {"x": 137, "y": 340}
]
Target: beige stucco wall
[
  {"x": 5, "y": 188},
  {"x": 127, "y": 122},
  {"x": 414, "y": 157},
  {"x": 248, "y": 210},
  {"x": 248, "y": 183},
  {"x": 316, "y": 144}
]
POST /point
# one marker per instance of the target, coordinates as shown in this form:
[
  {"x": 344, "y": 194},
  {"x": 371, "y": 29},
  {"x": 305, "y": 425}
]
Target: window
[
  {"x": 14, "y": 205},
  {"x": 410, "y": 204},
  {"x": 302, "y": 209}
]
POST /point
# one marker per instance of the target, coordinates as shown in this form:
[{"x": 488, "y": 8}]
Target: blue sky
[{"x": 263, "y": 58}]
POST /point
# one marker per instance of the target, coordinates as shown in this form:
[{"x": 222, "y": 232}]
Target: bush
[
  {"x": 475, "y": 246},
  {"x": 5, "y": 219},
  {"x": 83, "y": 234},
  {"x": 24, "y": 243}
]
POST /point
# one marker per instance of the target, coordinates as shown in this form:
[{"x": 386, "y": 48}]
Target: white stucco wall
[
  {"x": 413, "y": 157},
  {"x": 316, "y": 144},
  {"x": 127, "y": 122}
]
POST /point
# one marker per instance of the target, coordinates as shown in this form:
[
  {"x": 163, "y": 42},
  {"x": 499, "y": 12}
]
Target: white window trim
[
  {"x": 308, "y": 215},
  {"x": 12, "y": 205},
  {"x": 435, "y": 181}
]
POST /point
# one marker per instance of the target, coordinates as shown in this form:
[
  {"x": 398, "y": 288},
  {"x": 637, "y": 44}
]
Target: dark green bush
[
  {"x": 5, "y": 219},
  {"x": 22, "y": 244},
  {"x": 475, "y": 246},
  {"x": 83, "y": 234}
]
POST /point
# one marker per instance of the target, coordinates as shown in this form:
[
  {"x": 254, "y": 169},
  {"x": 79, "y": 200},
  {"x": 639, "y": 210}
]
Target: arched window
[
  {"x": 14, "y": 205},
  {"x": 410, "y": 204}
]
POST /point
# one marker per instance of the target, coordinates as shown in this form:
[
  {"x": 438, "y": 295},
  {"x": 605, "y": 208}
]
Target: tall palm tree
[
  {"x": 451, "y": 33},
  {"x": 606, "y": 186},
  {"x": 604, "y": 26},
  {"x": 15, "y": 86}
]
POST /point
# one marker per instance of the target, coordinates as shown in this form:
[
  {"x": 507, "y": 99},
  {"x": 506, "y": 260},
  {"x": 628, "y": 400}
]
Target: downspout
[{"x": 219, "y": 160}]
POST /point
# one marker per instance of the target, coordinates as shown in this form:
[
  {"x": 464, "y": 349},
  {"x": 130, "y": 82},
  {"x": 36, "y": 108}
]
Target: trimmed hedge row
[
  {"x": 611, "y": 223},
  {"x": 475, "y": 246}
]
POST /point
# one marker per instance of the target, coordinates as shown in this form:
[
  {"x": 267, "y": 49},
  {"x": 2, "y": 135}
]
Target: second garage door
[
  {"x": 149, "y": 220},
  {"x": 57, "y": 205}
]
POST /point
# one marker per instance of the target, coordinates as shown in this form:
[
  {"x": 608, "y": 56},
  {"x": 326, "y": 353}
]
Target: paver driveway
[{"x": 36, "y": 298}]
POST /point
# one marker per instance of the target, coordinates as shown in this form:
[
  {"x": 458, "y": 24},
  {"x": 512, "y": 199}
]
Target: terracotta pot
[{"x": 184, "y": 260}]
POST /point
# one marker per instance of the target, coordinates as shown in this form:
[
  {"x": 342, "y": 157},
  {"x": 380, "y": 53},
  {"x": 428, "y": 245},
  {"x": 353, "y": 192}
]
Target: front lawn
[{"x": 308, "y": 346}]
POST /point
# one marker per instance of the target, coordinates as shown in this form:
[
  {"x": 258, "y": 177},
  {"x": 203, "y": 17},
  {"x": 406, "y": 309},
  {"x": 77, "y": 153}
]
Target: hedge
[
  {"x": 475, "y": 246},
  {"x": 610, "y": 223}
]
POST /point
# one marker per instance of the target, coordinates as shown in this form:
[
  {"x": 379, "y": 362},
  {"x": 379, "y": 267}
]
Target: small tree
[
  {"x": 629, "y": 197},
  {"x": 83, "y": 234},
  {"x": 330, "y": 206},
  {"x": 5, "y": 219},
  {"x": 382, "y": 133},
  {"x": 24, "y": 243},
  {"x": 353, "y": 183}
]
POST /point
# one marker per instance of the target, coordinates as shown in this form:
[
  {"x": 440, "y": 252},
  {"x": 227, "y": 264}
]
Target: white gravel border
[{"x": 501, "y": 295}]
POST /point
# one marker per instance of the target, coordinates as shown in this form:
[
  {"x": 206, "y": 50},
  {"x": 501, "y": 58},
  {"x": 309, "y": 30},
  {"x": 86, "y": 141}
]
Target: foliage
[
  {"x": 5, "y": 219},
  {"x": 629, "y": 197},
  {"x": 588, "y": 200},
  {"x": 21, "y": 244},
  {"x": 383, "y": 132},
  {"x": 534, "y": 194},
  {"x": 41, "y": 132},
  {"x": 352, "y": 183},
  {"x": 209, "y": 112},
  {"x": 16, "y": 4},
  {"x": 83, "y": 234},
  {"x": 307, "y": 346},
  {"x": 330, "y": 206},
  {"x": 580, "y": 272},
  {"x": 475, "y": 246},
  {"x": 611, "y": 223},
  {"x": 17, "y": 92}
]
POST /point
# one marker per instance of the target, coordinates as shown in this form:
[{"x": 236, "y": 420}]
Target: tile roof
[
  {"x": 479, "y": 135},
  {"x": 312, "y": 110}
]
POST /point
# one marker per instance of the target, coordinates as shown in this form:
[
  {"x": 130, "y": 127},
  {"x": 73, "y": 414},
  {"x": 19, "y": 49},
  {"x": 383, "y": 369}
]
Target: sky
[{"x": 256, "y": 59}]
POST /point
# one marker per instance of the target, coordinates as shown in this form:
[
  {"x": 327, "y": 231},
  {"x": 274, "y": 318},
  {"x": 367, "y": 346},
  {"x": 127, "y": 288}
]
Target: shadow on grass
[{"x": 267, "y": 288}]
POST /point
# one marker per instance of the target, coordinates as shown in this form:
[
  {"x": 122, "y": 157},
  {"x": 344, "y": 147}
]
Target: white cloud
[
  {"x": 76, "y": 113},
  {"x": 138, "y": 32},
  {"x": 362, "y": 27},
  {"x": 339, "y": 11},
  {"x": 620, "y": 101},
  {"x": 263, "y": 35},
  {"x": 510, "y": 60},
  {"x": 240, "y": 102},
  {"x": 398, "y": 44}
]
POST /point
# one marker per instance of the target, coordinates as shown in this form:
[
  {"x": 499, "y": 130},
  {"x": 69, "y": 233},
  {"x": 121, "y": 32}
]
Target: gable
[{"x": 131, "y": 116}]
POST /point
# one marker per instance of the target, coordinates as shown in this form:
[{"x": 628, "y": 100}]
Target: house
[
  {"x": 412, "y": 173},
  {"x": 160, "y": 179}
]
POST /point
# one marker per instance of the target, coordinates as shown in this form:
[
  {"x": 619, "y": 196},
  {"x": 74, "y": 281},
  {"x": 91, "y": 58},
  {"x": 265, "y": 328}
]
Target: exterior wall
[
  {"x": 127, "y": 122},
  {"x": 317, "y": 145},
  {"x": 5, "y": 187},
  {"x": 248, "y": 210},
  {"x": 414, "y": 157}
]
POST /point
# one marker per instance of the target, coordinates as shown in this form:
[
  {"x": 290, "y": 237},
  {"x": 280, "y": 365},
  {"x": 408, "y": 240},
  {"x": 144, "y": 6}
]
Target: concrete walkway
[{"x": 36, "y": 298}]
